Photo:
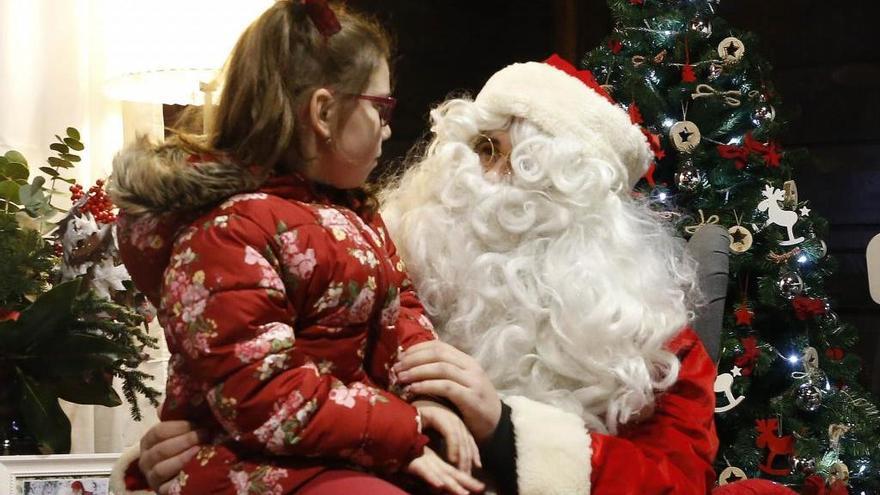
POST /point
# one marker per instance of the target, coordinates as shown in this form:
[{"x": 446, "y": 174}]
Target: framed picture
[{"x": 73, "y": 474}]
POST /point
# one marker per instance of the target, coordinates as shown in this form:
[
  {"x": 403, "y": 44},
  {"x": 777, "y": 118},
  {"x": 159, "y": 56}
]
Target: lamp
[{"x": 171, "y": 51}]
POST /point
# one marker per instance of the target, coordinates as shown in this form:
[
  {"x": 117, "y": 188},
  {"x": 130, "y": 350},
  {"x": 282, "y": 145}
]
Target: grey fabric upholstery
[{"x": 710, "y": 247}]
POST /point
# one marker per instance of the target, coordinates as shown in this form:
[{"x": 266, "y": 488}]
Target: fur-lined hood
[
  {"x": 160, "y": 189},
  {"x": 170, "y": 178}
]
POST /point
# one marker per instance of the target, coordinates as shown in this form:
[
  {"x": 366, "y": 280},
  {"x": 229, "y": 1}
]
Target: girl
[{"x": 282, "y": 297}]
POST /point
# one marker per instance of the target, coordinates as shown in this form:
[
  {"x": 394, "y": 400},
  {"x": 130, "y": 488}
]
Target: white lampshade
[{"x": 158, "y": 51}]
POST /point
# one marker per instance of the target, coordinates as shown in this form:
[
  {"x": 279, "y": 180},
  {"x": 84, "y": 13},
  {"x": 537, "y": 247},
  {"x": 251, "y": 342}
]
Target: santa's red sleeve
[{"x": 670, "y": 452}]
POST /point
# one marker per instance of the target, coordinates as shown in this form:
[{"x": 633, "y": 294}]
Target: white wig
[{"x": 562, "y": 287}]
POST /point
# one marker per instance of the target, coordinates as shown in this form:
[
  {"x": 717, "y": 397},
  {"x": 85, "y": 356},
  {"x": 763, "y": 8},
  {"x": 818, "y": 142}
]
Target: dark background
[{"x": 827, "y": 70}]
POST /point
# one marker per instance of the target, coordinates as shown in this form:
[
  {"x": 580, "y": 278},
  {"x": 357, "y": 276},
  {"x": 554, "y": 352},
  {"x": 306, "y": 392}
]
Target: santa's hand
[
  {"x": 442, "y": 476},
  {"x": 438, "y": 369},
  {"x": 461, "y": 449},
  {"x": 165, "y": 448}
]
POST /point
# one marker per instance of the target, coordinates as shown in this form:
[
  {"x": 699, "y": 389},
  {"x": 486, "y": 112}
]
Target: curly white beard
[{"x": 563, "y": 288}]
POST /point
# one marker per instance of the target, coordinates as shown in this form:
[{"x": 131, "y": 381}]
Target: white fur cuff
[
  {"x": 552, "y": 447},
  {"x": 117, "y": 475}
]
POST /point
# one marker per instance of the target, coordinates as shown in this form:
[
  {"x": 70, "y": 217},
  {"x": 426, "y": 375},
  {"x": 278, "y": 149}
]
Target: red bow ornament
[
  {"x": 806, "y": 307},
  {"x": 750, "y": 354}
]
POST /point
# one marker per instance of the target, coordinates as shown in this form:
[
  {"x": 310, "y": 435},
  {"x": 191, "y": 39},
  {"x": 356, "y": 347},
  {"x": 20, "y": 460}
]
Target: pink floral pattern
[
  {"x": 265, "y": 480},
  {"x": 340, "y": 226},
  {"x": 298, "y": 263},
  {"x": 346, "y": 396},
  {"x": 290, "y": 415},
  {"x": 269, "y": 276},
  {"x": 271, "y": 338},
  {"x": 142, "y": 233}
]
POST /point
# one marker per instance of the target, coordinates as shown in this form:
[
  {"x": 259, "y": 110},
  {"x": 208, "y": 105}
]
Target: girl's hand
[
  {"x": 438, "y": 369},
  {"x": 165, "y": 448},
  {"x": 461, "y": 449},
  {"x": 442, "y": 476}
]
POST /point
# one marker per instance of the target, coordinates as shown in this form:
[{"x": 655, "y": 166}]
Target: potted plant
[{"x": 70, "y": 320}]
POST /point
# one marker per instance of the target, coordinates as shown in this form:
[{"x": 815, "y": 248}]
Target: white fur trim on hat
[
  {"x": 553, "y": 452},
  {"x": 117, "y": 475},
  {"x": 562, "y": 105}
]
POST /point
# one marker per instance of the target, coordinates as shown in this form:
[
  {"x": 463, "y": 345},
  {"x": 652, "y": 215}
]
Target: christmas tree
[{"x": 789, "y": 406}]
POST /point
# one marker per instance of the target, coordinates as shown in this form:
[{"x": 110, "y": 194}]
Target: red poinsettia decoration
[
  {"x": 750, "y": 355},
  {"x": 637, "y": 2},
  {"x": 807, "y": 307}
]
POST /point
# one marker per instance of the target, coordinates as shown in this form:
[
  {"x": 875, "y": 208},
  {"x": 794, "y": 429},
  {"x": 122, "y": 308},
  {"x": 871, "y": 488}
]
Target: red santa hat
[{"x": 562, "y": 102}]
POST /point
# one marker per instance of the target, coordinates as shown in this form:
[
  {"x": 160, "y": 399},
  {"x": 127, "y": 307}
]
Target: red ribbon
[
  {"x": 322, "y": 17},
  {"x": 740, "y": 154},
  {"x": 687, "y": 72}
]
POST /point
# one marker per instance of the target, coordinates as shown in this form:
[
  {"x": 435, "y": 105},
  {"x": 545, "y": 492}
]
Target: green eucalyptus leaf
[
  {"x": 14, "y": 170},
  {"x": 73, "y": 133},
  {"x": 43, "y": 415},
  {"x": 49, "y": 171},
  {"x": 74, "y": 144},
  {"x": 9, "y": 191},
  {"x": 38, "y": 182},
  {"x": 59, "y": 147},
  {"x": 58, "y": 162},
  {"x": 71, "y": 158},
  {"x": 15, "y": 156}
]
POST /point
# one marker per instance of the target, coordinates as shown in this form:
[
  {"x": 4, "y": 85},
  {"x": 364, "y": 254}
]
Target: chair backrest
[{"x": 710, "y": 247}]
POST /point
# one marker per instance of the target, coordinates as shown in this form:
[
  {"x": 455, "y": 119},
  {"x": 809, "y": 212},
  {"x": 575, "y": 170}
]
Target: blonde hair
[{"x": 276, "y": 65}]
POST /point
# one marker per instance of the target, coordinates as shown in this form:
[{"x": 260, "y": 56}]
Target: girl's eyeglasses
[{"x": 383, "y": 104}]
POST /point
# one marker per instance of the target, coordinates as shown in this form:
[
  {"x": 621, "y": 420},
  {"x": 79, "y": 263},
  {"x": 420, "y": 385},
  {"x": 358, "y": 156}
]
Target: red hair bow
[
  {"x": 584, "y": 76},
  {"x": 322, "y": 17}
]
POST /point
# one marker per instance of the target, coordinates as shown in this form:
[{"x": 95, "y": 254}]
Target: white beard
[{"x": 564, "y": 290}]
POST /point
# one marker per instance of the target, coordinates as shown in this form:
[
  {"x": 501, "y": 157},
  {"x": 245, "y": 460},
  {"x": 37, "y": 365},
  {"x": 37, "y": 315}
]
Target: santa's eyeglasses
[{"x": 488, "y": 150}]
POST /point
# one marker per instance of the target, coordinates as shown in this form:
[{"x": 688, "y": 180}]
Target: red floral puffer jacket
[{"x": 284, "y": 314}]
